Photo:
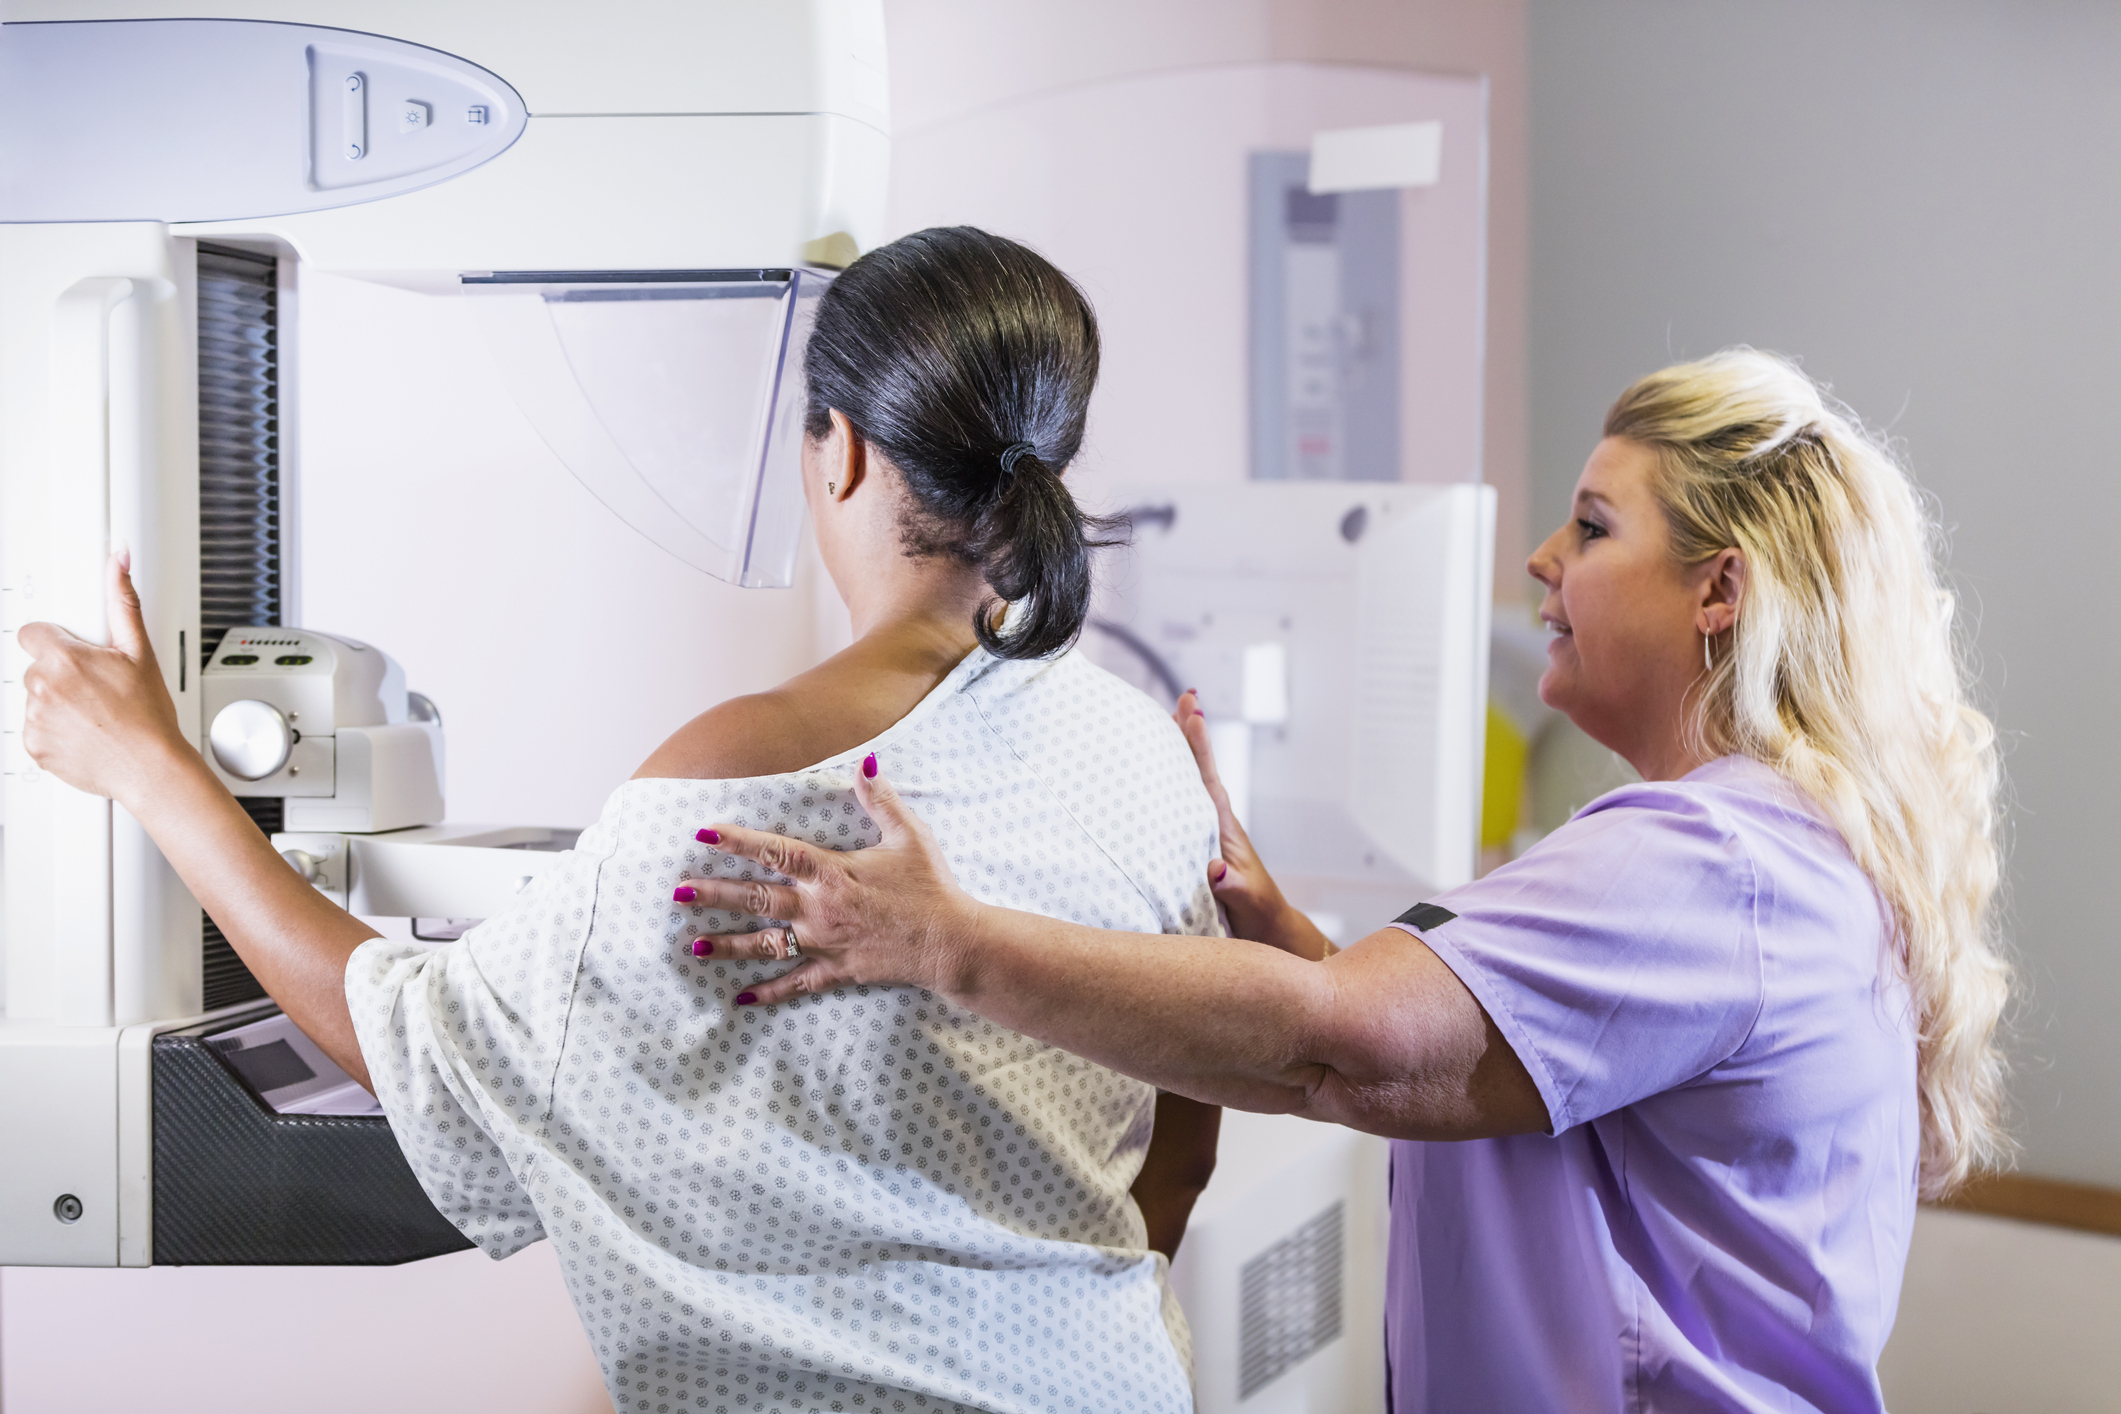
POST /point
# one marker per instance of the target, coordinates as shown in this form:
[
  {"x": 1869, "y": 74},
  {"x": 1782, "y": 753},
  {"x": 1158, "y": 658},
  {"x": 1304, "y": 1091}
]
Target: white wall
[
  {"x": 959, "y": 60},
  {"x": 1093, "y": 173},
  {"x": 1999, "y": 1316},
  {"x": 1918, "y": 197}
]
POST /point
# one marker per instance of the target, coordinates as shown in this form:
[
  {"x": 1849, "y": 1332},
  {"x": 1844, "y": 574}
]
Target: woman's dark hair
[{"x": 968, "y": 360}]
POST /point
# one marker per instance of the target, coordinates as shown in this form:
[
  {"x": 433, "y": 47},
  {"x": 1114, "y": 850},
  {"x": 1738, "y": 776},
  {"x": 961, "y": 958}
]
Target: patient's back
[{"x": 866, "y": 1196}]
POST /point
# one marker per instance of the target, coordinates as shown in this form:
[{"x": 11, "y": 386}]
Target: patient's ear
[{"x": 847, "y": 458}]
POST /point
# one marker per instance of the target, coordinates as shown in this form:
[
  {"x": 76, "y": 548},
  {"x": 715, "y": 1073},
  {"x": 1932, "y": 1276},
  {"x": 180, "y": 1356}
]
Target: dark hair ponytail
[{"x": 968, "y": 360}]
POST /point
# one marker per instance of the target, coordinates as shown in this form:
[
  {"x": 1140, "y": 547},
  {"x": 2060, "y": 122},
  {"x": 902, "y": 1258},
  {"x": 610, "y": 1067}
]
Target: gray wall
[{"x": 1922, "y": 200}]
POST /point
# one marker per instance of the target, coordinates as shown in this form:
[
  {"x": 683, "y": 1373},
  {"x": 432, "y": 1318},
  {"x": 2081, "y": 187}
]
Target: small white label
[{"x": 1376, "y": 159}]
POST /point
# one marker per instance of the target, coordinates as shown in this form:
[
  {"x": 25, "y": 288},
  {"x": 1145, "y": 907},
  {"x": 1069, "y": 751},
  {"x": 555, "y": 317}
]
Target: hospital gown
[{"x": 865, "y": 1200}]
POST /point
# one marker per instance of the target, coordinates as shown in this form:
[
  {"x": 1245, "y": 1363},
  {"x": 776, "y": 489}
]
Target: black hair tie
[{"x": 1010, "y": 455}]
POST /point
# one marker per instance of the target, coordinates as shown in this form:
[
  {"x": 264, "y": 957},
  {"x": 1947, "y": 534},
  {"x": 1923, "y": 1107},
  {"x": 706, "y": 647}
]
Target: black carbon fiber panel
[{"x": 237, "y": 1185}]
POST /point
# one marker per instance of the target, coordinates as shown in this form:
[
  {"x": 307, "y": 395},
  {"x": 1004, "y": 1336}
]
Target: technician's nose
[{"x": 1545, "y": 564}]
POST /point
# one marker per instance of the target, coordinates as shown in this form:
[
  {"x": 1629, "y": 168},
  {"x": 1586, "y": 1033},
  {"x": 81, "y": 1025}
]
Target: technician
[{"x": 1664, "y": 1091}]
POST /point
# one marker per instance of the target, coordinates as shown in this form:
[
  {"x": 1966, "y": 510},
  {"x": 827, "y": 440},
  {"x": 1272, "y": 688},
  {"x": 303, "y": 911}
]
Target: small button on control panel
[
  {"x": 353, "y": 117},
  {"x": 414, "y": 115}
]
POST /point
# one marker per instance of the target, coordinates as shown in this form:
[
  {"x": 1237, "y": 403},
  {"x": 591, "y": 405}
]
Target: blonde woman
[{"x": 1667, "y": 1088}]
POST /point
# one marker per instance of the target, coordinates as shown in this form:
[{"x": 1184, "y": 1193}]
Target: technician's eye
[{"x": 1590, "y": 529}]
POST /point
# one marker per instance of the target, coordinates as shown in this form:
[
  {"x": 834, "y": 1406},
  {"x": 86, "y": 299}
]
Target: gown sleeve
[
  {"x": 462, "y": 1042},
  {"x": 1619, "y": 957}
]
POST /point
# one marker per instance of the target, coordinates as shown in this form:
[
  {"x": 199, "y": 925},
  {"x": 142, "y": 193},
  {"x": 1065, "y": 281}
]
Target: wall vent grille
[{"x": 1288, "y": 1301}]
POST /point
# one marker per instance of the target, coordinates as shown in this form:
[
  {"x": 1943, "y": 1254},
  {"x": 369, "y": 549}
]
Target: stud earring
[{"x": 832, "y": 488}]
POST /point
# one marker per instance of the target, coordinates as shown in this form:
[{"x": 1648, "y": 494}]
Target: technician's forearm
[
  {"x": 1381, "y": 1037},
  {"x": 294, "y": 940},
  {"x": 1222, "y": 1021}
]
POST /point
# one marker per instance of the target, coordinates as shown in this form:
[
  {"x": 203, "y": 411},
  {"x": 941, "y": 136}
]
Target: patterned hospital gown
[{"x": 868, "y": 1200}]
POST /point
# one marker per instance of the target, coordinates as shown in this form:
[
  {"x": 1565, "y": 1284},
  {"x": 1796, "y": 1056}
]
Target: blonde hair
[{"x": 1843, "y": 674}]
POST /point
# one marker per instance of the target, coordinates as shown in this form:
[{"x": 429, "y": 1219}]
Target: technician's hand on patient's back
[
  {"x": 891, "y": 914},
  {"x": 100, "y": 719}
]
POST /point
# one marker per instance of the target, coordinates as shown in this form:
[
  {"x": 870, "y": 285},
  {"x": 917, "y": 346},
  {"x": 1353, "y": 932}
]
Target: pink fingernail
[
  {"x": 746, "y": 998},
  {"x": 869, "y": 765},
  {"x": 685, "y": 893},
  {"x": 709, "y": 837},
  {"x": 702, "y": 946}
]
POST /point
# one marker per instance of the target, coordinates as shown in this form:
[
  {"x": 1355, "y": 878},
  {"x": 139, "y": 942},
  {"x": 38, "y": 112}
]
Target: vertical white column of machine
[
  {"x": 78, "y": 539},
  {"x": 110, "y": 346},
  {"x": 58, "y": 515},
  {"x": 154, "y": 511},
  {"x": 59, "y": 287}
]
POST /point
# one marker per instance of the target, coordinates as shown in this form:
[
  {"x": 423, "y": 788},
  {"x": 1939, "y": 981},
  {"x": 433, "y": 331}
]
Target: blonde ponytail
[{"x": 1844, "y": 675}]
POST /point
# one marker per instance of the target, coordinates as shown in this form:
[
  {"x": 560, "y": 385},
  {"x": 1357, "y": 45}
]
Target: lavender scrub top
[{"x": 1694, "y": 973}]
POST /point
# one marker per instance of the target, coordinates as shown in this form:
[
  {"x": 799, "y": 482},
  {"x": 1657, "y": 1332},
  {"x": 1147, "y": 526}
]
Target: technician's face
[{"x": 1624, "y": 647}]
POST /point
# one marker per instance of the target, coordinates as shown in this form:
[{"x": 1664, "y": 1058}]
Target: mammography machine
[{"x": 652, "y": 208}]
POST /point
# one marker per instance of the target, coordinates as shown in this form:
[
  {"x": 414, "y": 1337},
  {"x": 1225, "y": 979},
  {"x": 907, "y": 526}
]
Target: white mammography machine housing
[{"x": 641, "y": 215}]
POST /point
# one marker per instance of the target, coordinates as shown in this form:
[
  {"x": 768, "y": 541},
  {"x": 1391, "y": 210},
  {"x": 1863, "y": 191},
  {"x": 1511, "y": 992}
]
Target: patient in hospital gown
[{"x": 865, "y": 1200}]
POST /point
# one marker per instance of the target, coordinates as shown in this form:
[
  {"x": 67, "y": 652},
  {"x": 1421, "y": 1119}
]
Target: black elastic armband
[{"x": 1424, "y": 916}]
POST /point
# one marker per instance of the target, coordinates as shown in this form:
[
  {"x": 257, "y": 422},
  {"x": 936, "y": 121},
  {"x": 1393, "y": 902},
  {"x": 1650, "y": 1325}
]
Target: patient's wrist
[{"x": 166, "y": 783}]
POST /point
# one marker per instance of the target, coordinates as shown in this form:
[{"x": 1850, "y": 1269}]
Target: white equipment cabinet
[
  {"x": 1282, "y": 1272},
  {"x": 1342, "y": 628},
  {"x": 644, "y": 170}
]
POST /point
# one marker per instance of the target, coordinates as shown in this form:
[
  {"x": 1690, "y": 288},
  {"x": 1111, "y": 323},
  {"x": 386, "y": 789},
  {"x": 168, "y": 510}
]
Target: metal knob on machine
[
  {"x": 251, "y": 739},
  {"x": 307, "y": 865}
]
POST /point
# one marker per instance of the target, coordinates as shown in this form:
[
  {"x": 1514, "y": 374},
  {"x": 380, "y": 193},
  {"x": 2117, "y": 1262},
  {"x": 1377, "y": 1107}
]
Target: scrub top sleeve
[
  {"x": 437, "y": 1049},
  {"x": 1618, "y": 956}
]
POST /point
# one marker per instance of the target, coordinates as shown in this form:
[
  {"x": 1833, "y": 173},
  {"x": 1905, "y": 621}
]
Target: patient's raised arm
[{"x": 102, "y": 720}]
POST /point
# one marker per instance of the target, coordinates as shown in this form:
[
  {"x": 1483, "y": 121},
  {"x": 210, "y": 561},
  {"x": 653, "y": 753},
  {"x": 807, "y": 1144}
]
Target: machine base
[{"x": 238, "y": 1185}]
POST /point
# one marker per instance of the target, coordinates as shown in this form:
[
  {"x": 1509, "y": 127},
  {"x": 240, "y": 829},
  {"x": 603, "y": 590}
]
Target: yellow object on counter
[{"x": 1502, "y": 779}]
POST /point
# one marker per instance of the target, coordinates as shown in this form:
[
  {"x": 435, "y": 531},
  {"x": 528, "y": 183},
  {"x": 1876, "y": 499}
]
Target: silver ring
[{"x": 788, "y": 936}]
